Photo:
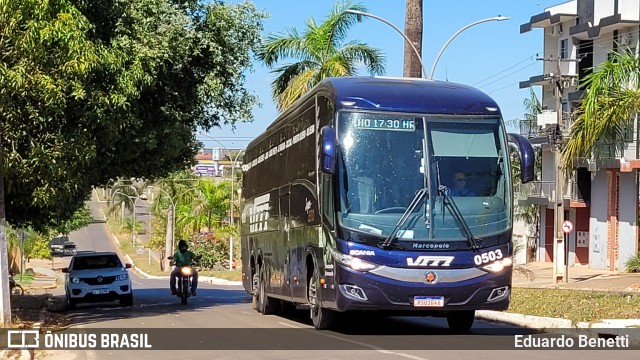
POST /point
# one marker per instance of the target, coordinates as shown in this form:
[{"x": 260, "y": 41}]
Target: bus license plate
[
  {"x": 100, "y": 291},
  {"x": 428, "y": 301}
]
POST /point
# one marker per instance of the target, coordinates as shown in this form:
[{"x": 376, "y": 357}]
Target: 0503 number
[{"x": 487, "y": 257}]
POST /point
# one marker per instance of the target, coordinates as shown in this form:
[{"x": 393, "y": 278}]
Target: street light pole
[
  {"x": 362, "y": 13},
  {"x": 168, "y": 247},
  {"x": 233, "y": 175},
  {"x": 496, "y": 18}
]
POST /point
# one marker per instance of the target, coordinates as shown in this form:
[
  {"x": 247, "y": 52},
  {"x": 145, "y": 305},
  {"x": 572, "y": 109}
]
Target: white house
[{"x": 602, "y": 195}]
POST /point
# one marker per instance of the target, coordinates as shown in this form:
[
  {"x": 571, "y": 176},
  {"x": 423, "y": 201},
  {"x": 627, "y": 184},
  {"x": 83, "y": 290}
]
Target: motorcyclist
[{"x": 180, "y": 258}]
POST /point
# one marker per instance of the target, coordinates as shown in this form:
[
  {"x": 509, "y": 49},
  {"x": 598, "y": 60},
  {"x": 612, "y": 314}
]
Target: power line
[
  {"x": 531, "y": 57},
  {"x": 509, "y": 74}
]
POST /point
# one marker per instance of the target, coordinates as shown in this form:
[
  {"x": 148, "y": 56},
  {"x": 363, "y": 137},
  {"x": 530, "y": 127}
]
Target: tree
[
  {"x": 612, "y": 98},
  {"x": 91, "y": 91},
  {"x": 320, "y": 52},
  {"x": 413, "y": 25},
  {"x": 80, "y": 219}
]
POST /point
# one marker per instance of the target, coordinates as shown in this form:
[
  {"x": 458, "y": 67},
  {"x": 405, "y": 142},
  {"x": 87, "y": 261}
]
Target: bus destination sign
[{"x": 385, "y": 124}]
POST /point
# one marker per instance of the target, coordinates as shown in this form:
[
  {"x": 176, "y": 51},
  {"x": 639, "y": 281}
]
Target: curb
[{"x": 605, "y": 328}]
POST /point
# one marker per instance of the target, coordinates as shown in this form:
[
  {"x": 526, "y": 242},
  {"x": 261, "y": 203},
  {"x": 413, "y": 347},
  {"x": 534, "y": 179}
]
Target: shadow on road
[
  {"x": 149, "y": 303},
  {"x": 365, "y": 324}
]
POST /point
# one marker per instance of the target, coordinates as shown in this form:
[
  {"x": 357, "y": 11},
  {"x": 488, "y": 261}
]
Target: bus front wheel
[
  {"x": 461, "y": 321},
  {"x": 322, "y": 318}
]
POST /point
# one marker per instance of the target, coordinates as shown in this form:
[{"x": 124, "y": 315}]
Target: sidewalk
[{"x": 580, "y": 278}]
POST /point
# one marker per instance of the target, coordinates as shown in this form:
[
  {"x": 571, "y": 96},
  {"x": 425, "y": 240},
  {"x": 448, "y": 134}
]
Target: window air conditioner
[
  {"x": 625, "y": 39},
  {"x": 556, "y": 30}
]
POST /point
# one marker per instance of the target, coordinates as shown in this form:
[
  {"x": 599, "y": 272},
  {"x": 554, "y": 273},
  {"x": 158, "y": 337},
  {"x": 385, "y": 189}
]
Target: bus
[{"x": 349, "y": 202}]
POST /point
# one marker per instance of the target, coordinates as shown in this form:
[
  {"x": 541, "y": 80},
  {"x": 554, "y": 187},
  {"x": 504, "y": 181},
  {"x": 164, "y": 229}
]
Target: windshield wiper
[
  {"x": 447, "y": 200},
  {"x": 403, "y": 219}
]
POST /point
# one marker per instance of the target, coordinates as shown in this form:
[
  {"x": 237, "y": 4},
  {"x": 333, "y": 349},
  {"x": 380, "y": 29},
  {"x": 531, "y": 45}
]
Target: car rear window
[{"x": 96, "y": 262}]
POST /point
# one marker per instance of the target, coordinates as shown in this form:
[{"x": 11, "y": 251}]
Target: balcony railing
[
  {"x": 545, "y": 190},
  {"x": 529, "y": 128}
]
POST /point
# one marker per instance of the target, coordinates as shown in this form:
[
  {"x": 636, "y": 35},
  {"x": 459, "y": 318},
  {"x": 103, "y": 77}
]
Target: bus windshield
[{"x": 384, "y": 159}]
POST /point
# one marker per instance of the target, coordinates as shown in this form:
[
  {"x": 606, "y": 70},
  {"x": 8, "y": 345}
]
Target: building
[{"x": 601, "y": 197}]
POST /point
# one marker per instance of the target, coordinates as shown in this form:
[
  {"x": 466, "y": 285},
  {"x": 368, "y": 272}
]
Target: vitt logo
[
  {"x": 430, "y": 261},
  {"x": 362, "y": 252},
  {"x": 259, "y": 213}
]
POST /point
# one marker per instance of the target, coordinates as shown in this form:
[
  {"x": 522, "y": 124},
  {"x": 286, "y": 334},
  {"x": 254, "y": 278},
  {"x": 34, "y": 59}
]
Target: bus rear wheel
[
  {"x": 266, "y": 306},
  {"x": 461, "y": 321},
  {"x": 322, "y": 318}
]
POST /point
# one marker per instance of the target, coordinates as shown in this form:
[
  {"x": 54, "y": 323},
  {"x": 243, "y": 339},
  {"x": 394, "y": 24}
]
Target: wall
[
  {"x": 602, "y": 9},
  {"x": 628, "y": 215},
  {"x": 569, "y": 7},
  {"x": 629, "y": 9},
  {"x": 598, "y": 222}
]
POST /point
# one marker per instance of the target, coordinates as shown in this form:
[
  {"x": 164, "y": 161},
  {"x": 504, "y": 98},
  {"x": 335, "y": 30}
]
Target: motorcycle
[
  {"x": 15, "y": 288},
  {"x": 184, "y": 282}
]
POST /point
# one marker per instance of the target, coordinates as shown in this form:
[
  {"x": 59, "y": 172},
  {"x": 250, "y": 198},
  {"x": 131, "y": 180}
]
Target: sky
[{"x": 491, "y": 56}]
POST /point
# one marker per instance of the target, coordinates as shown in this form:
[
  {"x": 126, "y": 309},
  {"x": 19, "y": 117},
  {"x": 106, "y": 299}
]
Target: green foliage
[
  {"x": 633, "y": 264},
  {"x": 127, "y": 226},
  {"x": 213, "y": 251},
  {"x": 36, "y": 246},
  {"x": 320, "y": 52},
  {"x": 89, "y": 88},
  {"x": 612, "y": 97},
  {"x": 81, "y": 218}
]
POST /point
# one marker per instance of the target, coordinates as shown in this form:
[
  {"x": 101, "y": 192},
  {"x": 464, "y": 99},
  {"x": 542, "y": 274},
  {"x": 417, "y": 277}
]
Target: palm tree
[
  {"x": 320, "y": 53},
  {"x": 612, "y": 98},
  {"x": 413, "y": 24}
]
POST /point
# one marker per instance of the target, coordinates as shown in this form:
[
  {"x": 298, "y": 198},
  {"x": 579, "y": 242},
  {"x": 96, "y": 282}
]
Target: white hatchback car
[{"x": 97, "y": 276}]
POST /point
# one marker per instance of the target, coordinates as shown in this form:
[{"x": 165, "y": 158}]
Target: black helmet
[{"x": 182, "y": 243}]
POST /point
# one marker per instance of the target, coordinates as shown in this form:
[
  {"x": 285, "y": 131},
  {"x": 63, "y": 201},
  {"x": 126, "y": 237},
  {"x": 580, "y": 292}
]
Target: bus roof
[{"x": 410, "y": 95}]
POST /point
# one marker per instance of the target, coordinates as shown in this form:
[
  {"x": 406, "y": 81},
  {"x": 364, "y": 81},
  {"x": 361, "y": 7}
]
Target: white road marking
[
  {"x": 290, "y": 325},
  {"x": 372, "y": 347}
]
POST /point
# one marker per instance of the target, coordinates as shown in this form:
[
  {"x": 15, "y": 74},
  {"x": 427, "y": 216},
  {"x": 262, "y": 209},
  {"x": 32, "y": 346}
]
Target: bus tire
[
  {"x": 322, "y": 318},
  {"x": 255, "y": 286},
  {"x": 461, "y": 321},
  {"x": 266, "y": 306}
]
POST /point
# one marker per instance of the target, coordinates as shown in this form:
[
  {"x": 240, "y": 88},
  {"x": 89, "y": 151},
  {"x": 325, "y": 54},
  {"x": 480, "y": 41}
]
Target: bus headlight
[
  {"x": 499, "y": 265},
  {"x": 353, "y": 262}
]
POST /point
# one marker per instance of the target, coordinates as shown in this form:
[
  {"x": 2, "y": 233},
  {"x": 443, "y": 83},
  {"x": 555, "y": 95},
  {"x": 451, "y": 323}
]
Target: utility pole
[
  {"x": 560, "y": 248},
  {"x": 5, "y": 304}
]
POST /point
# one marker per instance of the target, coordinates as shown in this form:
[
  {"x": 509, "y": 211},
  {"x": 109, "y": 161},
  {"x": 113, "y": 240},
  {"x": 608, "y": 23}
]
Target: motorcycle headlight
[
  {"x": 122, "y": 277},
  {"x": 186, "y": 271},
  {"x": 499, "y": 265},
  {"x": 75, "y": 280},
  {"x": 353, "y": 262}
]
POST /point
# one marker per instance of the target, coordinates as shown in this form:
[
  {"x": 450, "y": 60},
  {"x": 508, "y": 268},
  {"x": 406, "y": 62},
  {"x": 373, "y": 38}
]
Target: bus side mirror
[
  {"x": 526, "y": 154},
  {"x": 328, "y": 150}
]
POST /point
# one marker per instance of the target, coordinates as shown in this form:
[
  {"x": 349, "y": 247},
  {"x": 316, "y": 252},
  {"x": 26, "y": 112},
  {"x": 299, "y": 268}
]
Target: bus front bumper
[{"x": 421, "y": 290}]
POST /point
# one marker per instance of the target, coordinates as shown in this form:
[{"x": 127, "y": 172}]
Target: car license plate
[
  {"x": 100, "y": 291},
  {"x": 428, "y": 301}
]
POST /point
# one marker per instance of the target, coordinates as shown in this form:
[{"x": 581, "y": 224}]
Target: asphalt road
[{"x": 228, "y": 309}]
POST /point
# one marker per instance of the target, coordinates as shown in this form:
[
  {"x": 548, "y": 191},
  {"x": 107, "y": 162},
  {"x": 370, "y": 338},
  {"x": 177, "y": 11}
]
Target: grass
[
  {"x": 24, "y": 279},
  {"x": 575, "y": 305},
  {"x": 233, "y": 275}
]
